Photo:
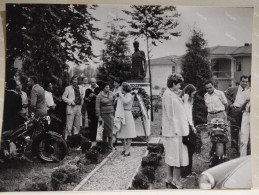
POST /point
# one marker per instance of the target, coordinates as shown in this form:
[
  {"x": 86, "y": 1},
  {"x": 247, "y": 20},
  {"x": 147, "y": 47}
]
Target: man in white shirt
[
  {"x": 216, "y": 102},
  {"x": 84, "y": 86},
  {"x": 49, "y": 97},
  {"x": 245, "y": 125},
  {"x": 235, "y": 99}
]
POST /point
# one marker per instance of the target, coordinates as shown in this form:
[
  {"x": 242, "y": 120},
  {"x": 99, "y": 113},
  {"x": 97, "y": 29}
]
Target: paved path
[{"x": 117, "y": 172}]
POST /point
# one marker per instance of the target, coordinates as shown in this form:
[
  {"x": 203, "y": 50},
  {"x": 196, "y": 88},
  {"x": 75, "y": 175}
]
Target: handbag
[
  {"x": 99, "y": 134},
  {"x": 190, "y": 140}
]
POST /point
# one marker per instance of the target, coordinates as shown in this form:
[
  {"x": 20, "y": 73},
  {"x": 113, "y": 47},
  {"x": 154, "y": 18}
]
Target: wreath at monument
[{"x": 146, "y": 99}]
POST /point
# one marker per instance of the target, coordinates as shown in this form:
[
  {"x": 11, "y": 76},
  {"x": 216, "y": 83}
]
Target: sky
[{"x": 220, "y": 26}]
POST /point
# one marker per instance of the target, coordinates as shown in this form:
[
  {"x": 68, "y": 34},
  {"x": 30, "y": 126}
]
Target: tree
[
  {"x": 115, "y": 56},
  {"x": 196, "y": 70},
  {"x": 155, "y": 24},
  {"x": 46, "y": 36}
]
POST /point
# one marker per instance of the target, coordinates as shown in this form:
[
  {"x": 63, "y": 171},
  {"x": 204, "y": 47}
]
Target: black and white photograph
[{"x": 126, "y": 97}]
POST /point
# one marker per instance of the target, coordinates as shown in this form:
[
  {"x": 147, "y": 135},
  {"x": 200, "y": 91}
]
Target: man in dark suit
[
  {"x": 90, "y": 98},
  {"x": 37, "y": 97},
  {"x": 12, "y": 107},
  {"x": 234, "y": 96}
]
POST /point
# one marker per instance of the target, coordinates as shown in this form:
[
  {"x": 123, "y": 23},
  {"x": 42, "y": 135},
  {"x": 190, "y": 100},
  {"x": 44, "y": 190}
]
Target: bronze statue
[{"x": 139, "y": 66}]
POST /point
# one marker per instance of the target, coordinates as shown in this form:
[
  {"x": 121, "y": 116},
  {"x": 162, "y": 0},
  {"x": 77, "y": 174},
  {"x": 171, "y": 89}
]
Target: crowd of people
[
  {"x": 232, "y": 105},
  {"x": 87, "y": 105}
]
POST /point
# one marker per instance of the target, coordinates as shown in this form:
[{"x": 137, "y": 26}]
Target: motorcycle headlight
[{"x": 206, "y": 181}]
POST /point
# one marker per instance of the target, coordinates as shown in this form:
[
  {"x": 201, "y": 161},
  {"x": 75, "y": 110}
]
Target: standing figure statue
[{"x": 139, "y": 66}]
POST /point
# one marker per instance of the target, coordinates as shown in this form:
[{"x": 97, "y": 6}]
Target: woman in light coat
[
  {"x": 174, "y": 126},
  {"x": 127, "y": 131}
]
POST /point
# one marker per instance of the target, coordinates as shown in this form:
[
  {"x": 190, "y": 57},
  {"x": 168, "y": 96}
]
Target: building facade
[{"x": 227, "y": 63}]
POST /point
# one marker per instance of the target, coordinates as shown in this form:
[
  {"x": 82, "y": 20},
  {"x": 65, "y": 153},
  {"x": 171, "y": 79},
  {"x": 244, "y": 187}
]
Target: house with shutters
[{"x": 228, "y": 63}]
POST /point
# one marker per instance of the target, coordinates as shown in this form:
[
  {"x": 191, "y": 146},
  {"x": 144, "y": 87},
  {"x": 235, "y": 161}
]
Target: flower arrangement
[{"x": 145, "y": 98}]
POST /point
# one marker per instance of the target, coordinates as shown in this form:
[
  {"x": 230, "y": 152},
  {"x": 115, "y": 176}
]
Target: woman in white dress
[
  {"x": 174, "y": 126},
  {"x": 127, "y": 131}
]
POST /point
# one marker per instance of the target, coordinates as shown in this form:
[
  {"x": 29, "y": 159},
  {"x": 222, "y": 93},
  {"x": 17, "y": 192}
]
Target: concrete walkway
[{"x": 117, "y": 172}]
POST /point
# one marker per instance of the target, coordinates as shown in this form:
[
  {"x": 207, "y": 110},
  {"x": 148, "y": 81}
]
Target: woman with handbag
[
  {"x": 190, "y": 141},
  {"x": 105, "y": 112},
  {"x": 127, "y": 130},
  {"x": 174, "y": 127}
]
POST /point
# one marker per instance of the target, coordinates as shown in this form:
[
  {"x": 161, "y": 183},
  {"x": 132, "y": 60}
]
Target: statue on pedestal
[{"x": 139, "y": 66}]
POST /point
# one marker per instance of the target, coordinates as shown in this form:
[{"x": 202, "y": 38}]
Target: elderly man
[
  {"x": 37, "y": 97},
  {"x": 73, "y": 97},
  {"x": 84, "y": 86},
  {"x": 235, "y": 96},
  {"x": 216, "y": 102}
]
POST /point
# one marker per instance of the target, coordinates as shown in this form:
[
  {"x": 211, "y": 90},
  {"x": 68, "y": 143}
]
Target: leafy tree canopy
[
  {"x": 196, "y": 70},
  {"x": 115, "y": 56},
  {"x": 46, "y": 36}
]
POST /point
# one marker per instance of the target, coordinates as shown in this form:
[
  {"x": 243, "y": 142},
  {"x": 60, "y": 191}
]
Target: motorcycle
[
  {"x": 33, "y": 138},
  {"x": 219, "y": 137}
]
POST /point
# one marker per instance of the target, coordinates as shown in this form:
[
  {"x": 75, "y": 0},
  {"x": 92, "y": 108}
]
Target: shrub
[
  {"x": 156, "y": 149},
  {"x": 74, "y": 140},
  {"x": 3, "y": 189},
  {"x": 40, "y": 186},
  {"x": 140, "y": 181},
  {"x": 63, "y": 175},
  {"x": 82, "y": 163},
  {"x": 92, "y": 155},
  {"x": 85, "y": 144},
  {"x": 149, "y": 172},
  {"x": 156, "y": 156},
  {"x": 152, "y": 160},
  {"x": 57, "y": 179},
  {"x": 103, "y": 145},
  {"x": 97, "y": 148}
]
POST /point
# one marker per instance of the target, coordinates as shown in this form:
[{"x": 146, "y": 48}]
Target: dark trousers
[
  {"x": 235, "y": 119},
  {"x": 191, "y": 150},
  {"x": 188, "y": 169},
  {"x": 93, "y": 123}
]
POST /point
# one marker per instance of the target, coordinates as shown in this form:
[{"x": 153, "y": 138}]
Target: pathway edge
[{"x": 93, "y": 172}]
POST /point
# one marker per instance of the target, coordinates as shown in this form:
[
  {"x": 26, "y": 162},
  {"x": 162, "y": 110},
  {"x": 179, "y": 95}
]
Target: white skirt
[
  {"x": 176, "y": 153},
  {"x": 128, "y": 130}
]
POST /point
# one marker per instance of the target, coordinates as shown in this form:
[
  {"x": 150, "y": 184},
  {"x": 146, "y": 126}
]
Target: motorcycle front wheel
[{"x": 51, "y": 148}]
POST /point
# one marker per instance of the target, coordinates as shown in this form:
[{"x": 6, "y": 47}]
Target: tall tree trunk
[{"x": 150, "y": 81}]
